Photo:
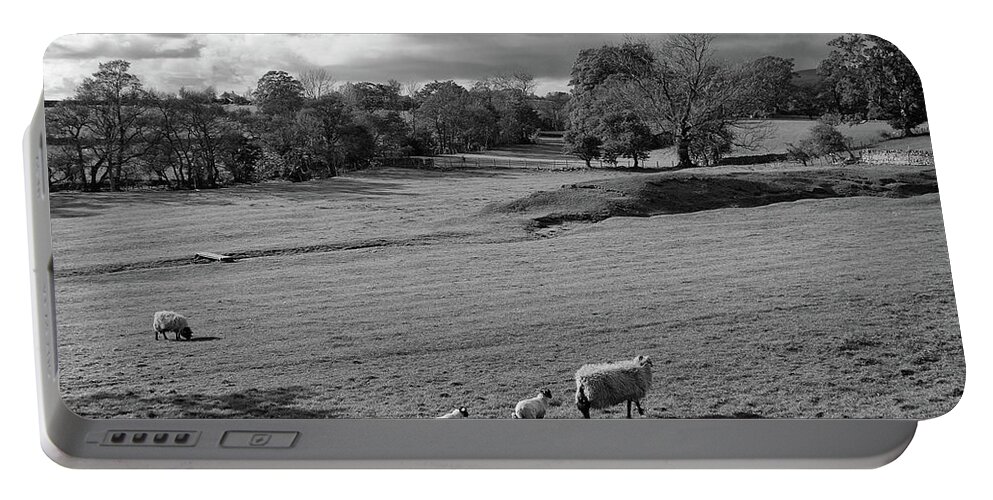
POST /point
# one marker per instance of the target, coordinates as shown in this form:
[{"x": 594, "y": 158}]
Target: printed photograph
[{"x": 497, "y": 226}]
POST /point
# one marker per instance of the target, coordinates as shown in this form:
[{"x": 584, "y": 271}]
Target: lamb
[
  {"x": 534, "y": 407},
  {"x": 607, "y": 384},
  {"x": 168, "y": 321},
  {"x": 460, "y": 412}
]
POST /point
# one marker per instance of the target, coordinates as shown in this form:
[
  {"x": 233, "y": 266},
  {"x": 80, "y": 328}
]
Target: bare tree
[
  {"x": 316, "y": 82},
  {"x": 190, "y": 129},
  {"x": 521, "y": 82},
  {"x": 115, "y": 123},
  {"x": 410, "y": 89},
  {"x": 679, "y": 88},
  {"x": 71, "y": 152}
]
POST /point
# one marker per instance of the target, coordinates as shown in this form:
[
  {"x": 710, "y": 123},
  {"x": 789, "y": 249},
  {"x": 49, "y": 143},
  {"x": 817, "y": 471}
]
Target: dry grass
[{"x": 836, "y": 307}]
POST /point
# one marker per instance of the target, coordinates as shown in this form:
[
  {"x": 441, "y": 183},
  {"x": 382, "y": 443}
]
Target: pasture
[
  {"x": 771, "y": 136},
  {"x": 405, "y": 293}
]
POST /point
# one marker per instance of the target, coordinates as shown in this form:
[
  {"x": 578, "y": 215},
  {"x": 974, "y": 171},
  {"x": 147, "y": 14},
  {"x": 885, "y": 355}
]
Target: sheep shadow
[{"x": 203, "y": 339}]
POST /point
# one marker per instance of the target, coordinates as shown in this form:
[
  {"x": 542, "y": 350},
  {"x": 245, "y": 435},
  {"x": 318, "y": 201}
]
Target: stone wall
[{"x": 896, "y": 157}]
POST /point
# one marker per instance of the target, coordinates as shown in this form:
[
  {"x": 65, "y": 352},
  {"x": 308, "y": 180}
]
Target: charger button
[{"x": 259, "y": 439}]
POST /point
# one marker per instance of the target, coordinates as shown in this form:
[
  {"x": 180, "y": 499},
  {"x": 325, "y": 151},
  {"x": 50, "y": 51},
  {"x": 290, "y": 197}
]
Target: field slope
[{"x": 829, "y": 298}]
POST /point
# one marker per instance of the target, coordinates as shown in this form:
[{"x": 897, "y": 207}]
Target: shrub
[{"x": 823, "y": 139}]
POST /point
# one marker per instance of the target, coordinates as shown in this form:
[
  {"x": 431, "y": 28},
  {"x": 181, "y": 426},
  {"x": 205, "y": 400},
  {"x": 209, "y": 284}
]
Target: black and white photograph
[{"x": 496, "y": 226}]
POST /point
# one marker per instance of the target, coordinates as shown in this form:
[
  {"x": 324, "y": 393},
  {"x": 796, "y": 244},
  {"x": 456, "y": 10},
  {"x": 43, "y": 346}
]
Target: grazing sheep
[
  {"x": 460, "y": 412},
  {"x": 607, "y": 384},
  {"x": 168, "y": 321},
  {"x": 534, "y": 407}
]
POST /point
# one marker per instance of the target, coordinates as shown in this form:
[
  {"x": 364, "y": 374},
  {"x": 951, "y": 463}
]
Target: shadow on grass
[
  {"x": 321, "y": 189},
  {"x": 282, "y": 402},
  {"x": 437, "y": 173},
  {"x": 70, "y": 204},
  {"x": 368, "y": 183},
  {"x": 203, "y": 339},
  {"x": 753, "y": 159},
  {"x": 83, "y": 204},
  {"x": 674, "y": 193}
]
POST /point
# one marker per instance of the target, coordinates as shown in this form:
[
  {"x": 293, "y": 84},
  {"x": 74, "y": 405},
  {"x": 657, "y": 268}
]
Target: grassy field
[
  {"x": 404, "y": 293},
  {"x": 917, "y": 142},
  {"x": 771, "y": 137}
]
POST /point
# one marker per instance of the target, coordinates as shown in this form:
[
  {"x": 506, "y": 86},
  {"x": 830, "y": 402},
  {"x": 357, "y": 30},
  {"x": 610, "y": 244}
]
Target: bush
[
  {"x": 710, "y": 144},
  {"x": 240, "y": 156},
  {"x": 822, "y": 140}
]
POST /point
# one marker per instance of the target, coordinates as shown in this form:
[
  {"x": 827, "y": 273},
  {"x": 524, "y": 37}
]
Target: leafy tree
[
  {"x": 481, "y": 124},
  {"x": 359, "y": 146},
  {"x": 240, "y": 153},
  {"x": 371, "y": 96},
  {"x": 443, "y": 108},
  {"x": 823, "y": 139},
  {"x": 868, "y": 77},
  {"x": 511, "y": 98},
  {"x": 843, "y": 90},
  {"x": 713, "y": 142},
  {"x": 286, "y": 148},
  {"x": 419, "y": 143},
  {"x": 583, "y": 138},
  {"x": 518, "y": 120},
  {"x": 387, "y": 128},
  {"x": 278, "y": 93},
  {"x": 379, "y": 107},
  {"x": 583, "y": 144},
  {"x": 553, "y": 111},
  {"x": 625, "y": 135},
  {"x": 326, "y": 121},
  {"x": 115, "y": 120},
  {"x": 770, "y": 79}
]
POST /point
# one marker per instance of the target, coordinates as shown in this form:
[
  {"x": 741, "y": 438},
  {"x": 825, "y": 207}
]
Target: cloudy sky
[{"x": 235, "y": 62}]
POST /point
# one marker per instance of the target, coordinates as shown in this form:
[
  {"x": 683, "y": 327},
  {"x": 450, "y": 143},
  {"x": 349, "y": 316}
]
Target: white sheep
[
  {"x": 607, "y": 384},
  {"x": 460, "y": 412},
  {"x": 534, "y": 407},
  {"x": 168, "y": 321}
]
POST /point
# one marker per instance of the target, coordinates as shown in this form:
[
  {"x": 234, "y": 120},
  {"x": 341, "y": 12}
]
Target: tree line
[
  {"x": 114, "y": 133},
  {"x": 630, "y": 98},
  {"x": 625, "y": 101}
]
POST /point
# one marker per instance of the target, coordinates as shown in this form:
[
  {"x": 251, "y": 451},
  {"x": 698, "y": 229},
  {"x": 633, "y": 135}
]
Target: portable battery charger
[{"x": 591, "y": 250}]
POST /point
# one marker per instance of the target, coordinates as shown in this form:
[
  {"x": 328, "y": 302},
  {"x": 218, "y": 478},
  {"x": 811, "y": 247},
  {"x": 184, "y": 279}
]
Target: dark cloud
[
  {"x": 235, "y": 62},
  {"x": 130, "y": 47},
  {"x": 806, "y": 50},
  {"x": 428, "y": 57}
]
